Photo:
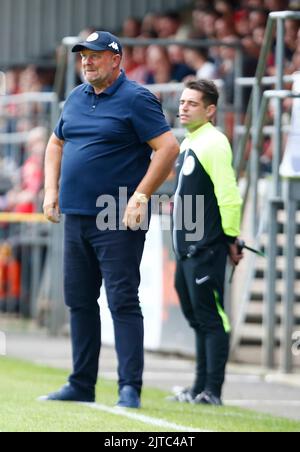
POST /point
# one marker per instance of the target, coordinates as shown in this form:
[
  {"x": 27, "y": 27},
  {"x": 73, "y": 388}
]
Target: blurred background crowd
[{"x": 229, "y": 21}]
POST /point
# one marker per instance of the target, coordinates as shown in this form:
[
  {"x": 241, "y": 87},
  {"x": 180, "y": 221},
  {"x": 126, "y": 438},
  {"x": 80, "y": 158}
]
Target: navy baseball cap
[{"x": 100, "y": 40}]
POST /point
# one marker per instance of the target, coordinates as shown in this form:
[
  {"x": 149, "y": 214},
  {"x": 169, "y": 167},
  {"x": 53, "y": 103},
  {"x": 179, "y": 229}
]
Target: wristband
[{"x": 141, "y": 198}]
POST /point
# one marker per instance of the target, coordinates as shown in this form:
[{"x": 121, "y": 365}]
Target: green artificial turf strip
[{"x": 21, "y": 383}]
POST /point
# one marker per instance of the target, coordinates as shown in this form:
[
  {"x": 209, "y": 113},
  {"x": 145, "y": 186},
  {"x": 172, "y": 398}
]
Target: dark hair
[
  {"x": 202, "y": 51},
  {"x": 207, "y": 88},
  {"x": 170, "y": 14}
]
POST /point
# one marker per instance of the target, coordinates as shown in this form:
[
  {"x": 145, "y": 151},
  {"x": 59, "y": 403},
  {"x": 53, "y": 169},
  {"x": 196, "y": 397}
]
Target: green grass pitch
[{"x": 21, "y": 383}]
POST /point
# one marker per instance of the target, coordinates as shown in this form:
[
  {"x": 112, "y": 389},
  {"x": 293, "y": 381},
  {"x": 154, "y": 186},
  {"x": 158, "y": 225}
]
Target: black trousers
[
  {"x": 91, "y": 256},
  {"x": 199, "y": 282}
]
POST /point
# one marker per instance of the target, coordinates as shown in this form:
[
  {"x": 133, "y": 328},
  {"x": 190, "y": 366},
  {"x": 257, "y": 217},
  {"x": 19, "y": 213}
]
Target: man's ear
[
  {"x": 117, "y": 60},
  {"x": 211, "y": 111}
]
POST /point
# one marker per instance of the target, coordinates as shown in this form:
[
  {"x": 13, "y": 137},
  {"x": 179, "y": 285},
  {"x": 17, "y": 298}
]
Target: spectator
[
  {"x": 228, "y": 55},
  {"x": 276, "y": 5},
  {"x": 131, "y": 28},
  {"x": 224, "y": 7},
  {"x": 294, "y": 65},
  {"x": 258, "y": 35},
  {"x": 197, "y": 31},
  {"x": 290, "y": 37},
  {"x": 169, "y": 24},
  {"x": 10, "y": 280},
  {"x": 224, "y": 28},
  {"x": 129, "y": 63},
  {"x": 227, "y": 73},
  {"x": 251, "y": 47},
  {"x": 197, "y": 59},
  {"x": 176, "y": 54},
  {"x": 226, "y": 69},
  {"x": 160, "y": 68},
  {"x": 24, "y": 196},
  {"x": 209, "y": 23},
  {"x": 28, "y": 80},
  {"x": 11, "y": 80},
  {"x": 45, "y": 76},
  {"x": 149, "y": 25},
  {"x": 241, "y": 23},
  {"x": 140, "y": 72},
  {"x": 257, "y": 18}
]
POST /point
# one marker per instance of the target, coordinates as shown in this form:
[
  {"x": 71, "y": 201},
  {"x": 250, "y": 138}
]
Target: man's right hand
[{"x": 51, "y": 207}]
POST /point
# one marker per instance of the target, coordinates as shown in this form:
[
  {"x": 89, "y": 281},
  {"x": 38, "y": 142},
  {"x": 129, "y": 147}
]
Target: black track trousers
[{"x": 200, "y": 285}]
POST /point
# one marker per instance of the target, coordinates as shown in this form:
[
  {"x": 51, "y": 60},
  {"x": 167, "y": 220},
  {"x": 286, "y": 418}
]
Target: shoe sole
[
  {"x": 46, "y": 399},
  {"x": 136, "y": 407}
]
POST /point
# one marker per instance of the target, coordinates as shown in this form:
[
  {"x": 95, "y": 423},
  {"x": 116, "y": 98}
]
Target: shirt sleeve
[
  {"x": 59, "y": 128},
  {"x": 147, "y": 117},
  {"x": 217, "y": 162}
]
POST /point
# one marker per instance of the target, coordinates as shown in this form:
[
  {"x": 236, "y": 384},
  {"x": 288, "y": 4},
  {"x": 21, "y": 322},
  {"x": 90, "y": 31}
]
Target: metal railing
[
  {"x": 254, "y": 127},
  {"x": 39, "y": 256},
  {"x": 259, "y": 81},
  {"x": 38, "y": 108},
  {"x": 36, "y": 247}
]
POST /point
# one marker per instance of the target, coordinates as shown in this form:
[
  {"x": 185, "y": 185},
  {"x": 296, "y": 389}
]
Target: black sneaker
[
  {"x": 207, "y": 398},
  {"x": 185, "y": 395},
  {"x": 68, "y": 394}
]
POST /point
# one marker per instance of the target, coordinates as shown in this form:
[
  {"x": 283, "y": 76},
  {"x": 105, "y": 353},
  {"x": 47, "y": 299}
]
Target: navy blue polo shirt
[{"x": 105, "y": 145}]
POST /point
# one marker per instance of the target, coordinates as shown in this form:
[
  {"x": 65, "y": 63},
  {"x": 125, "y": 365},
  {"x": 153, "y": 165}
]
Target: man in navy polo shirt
[{"x": 103, "y": 142}]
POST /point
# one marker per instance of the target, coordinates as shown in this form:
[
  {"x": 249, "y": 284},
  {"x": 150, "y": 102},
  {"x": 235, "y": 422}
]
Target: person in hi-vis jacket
[{"x": 205, "y": 173}]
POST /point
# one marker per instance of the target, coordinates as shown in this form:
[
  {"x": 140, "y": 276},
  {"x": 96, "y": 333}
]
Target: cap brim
[{"x": 89, "y": 46}]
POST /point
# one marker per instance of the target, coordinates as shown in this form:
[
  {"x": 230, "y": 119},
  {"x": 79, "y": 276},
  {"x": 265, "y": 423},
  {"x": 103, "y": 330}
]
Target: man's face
[
  {"x": 98, "y": 66},
  {"x": 192, "y": 111}
]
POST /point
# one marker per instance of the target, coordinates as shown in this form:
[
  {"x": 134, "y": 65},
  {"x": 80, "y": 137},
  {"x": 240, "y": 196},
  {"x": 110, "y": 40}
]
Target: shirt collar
[
  {"x": 196, "y": 133},
  {"x": 110, "y": 91}
]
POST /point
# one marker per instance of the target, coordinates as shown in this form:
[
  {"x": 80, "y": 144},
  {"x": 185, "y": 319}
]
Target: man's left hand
[
  {"x": 234, "y": 253},
  {"x": 136, "y": 211}
]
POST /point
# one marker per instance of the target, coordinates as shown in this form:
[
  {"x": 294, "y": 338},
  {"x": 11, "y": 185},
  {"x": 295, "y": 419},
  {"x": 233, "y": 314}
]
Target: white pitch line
[{"x": 154, "y": 422}]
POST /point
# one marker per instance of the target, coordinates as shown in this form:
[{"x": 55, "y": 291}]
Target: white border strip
[{"x": 154, "y": 422}]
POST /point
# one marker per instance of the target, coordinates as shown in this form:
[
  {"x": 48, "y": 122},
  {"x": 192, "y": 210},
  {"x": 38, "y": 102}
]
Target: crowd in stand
[{"x": 229, "y": 21}]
